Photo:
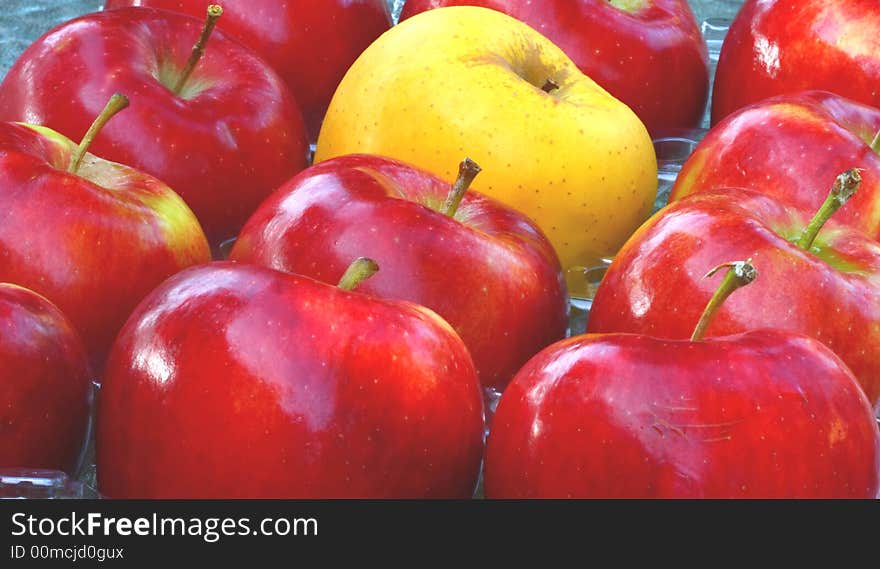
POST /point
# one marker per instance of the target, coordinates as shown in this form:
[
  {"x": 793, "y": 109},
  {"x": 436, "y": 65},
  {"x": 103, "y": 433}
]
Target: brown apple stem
[
  {"x": 467, "y": 171},
  {"x": 845, "y": 185},
  {"x": 549, "y": 86},
  {"x": 116, "y": 103},
  {"x": 739, "y": 274},
  {"x": 360, "y": 270},
  {"x": 214, "y": 13},
  {"x": 875, "y": 144}
]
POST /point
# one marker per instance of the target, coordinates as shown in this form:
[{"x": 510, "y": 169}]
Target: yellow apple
[{"x": 469, "y": 81}]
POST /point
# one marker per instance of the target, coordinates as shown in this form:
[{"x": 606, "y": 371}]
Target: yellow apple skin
[{"x": 467, "y": 81}]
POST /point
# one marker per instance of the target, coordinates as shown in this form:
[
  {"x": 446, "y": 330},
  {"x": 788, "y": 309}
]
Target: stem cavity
[
  {"x": 467, "y": 171},
  {"x": 214, "y": 13},
  {"x": 845, "y": 185},
  {"x": 739, "y": 274},
  {"x": 360, "y": 270},
  {"x": 116, "y": 103}
]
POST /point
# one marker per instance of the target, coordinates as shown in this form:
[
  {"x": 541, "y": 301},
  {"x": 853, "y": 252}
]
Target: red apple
[
  {"x": 237, "y": 381},
  {"x": 44, "y": 384},
  {"x": 828, "y": 289},
  {"x": 310, "y": 43},
  {"x": 783, "y": 46},
  {"x": 647, "y": 53},
  {"x": 93, "y": 238},
  {"x": 485, "y": 268},
  {"x": 764, "y": 414},
  {"x": 791, "y": 147},
  {"x": 230, "y": 137}
]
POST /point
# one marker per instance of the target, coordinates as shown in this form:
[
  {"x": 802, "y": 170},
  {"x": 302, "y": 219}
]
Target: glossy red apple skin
[
  {"x": 831, "y": 293},
  {"x": 44, "y": 384},
  {"x": 310, "y": 43},
  {"x": 94, "y": 243},
  {"x": 237, "y": 381},
  {"x": 784, "y": 46},
  {"x": 791, "y": 148},
  {"x": 489, "y": 271},
  {"x": 653, "y": 58},
  {"x": 223, "y": 149},
  {"x": 765, "y": 414}
]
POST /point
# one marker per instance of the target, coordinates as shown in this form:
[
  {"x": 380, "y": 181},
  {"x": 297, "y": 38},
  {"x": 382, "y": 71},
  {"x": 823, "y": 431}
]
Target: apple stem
[
  {"x": 214, "y": 13},
  {"x": 549, "y": 86},
  {"x": 116, "y": 103},
  {"x": 739, "y": 274},
  {"x": 467, "y": 171},
  {"x": 845, "y": 185},
  {"x": 360, "y": 270},
  {"x": 875, "y": 144}
]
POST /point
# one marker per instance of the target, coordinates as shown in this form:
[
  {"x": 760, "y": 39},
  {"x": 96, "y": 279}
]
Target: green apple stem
[
  {"x": 467, "y": 171},
  {"x": 360, "y": 270},
  {"x": 875, "y": 144},
  {"x": 116, "y": 103},
  {"x": 845, "y": 185},
  {"x": 739, "y": 274},
  {"x": 214, "y": 13},
  {"x": 549, "y": 86}
]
